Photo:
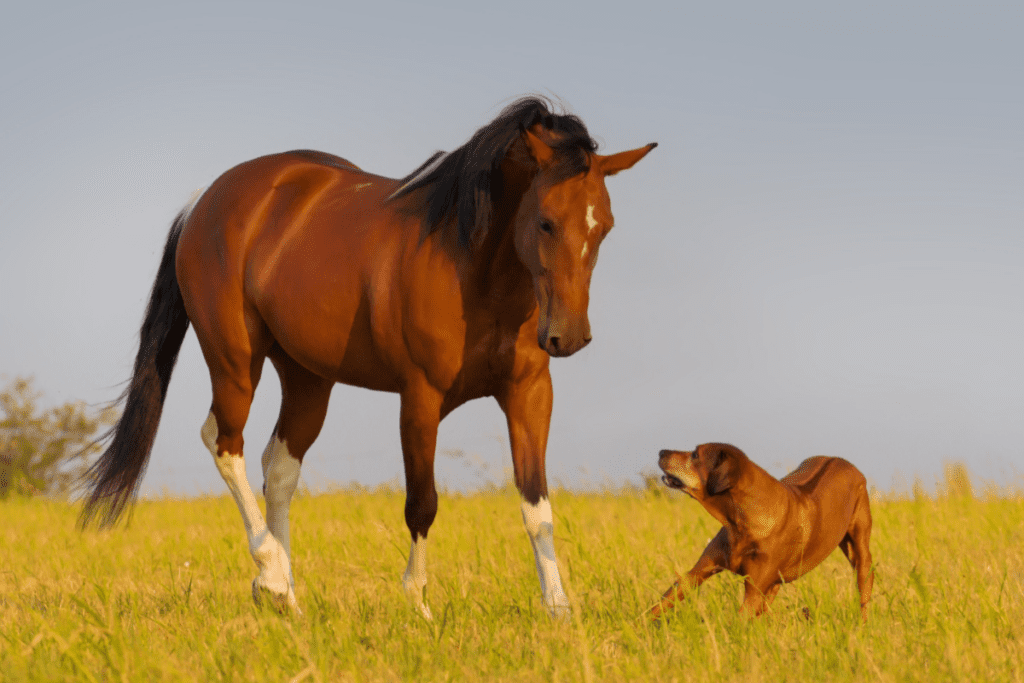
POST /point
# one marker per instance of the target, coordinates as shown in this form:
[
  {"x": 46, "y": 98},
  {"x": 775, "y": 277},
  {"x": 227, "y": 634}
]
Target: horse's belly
[{"x": 334, "y": 343}]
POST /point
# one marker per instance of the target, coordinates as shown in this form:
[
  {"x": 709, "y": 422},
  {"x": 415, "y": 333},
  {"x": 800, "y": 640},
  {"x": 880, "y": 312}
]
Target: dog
[{"x": 773, "y": 531}]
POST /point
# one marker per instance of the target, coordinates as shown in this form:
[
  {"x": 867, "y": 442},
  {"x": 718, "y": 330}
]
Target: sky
[{"x": 823, "y": 255}]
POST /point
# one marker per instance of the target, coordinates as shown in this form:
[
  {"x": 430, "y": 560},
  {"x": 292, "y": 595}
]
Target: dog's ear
[{"x": 722, "y": 470}]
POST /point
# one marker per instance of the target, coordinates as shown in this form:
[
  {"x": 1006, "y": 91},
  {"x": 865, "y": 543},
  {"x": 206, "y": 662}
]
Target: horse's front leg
[
  {"x": 527, "y": 406},
  {"x": 420, "y": 415}
]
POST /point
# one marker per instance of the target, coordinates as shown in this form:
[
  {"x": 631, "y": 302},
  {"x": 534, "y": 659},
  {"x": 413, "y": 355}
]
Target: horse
[{"x": 457, "y": 282}]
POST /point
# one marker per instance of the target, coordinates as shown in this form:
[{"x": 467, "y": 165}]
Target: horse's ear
[
  {"x": 540, "y": 150},
  {"x": 613, "y": 163}
]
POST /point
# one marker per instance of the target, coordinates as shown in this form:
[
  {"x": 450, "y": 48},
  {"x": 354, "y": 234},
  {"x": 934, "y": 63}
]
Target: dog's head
[{"x": 709, "y": 470}]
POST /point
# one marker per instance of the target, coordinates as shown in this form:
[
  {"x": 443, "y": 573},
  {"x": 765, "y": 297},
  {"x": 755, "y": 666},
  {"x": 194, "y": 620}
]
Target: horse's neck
[{"x": 495, "y": 272}]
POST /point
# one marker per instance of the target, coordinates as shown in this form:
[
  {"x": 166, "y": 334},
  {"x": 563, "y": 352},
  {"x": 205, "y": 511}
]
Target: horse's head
[{"x": 558, "y": 229}]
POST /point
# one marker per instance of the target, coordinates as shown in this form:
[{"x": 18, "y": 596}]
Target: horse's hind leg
[
  {"x": 235, "y": 370},
  {"x": 304, "y": 399}
]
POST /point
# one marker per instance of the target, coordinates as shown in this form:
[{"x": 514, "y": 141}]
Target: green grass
[{"x": 169, "y": 598}]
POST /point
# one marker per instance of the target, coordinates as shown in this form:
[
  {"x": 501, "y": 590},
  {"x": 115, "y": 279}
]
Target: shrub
[{"x": 44, "y": 452}]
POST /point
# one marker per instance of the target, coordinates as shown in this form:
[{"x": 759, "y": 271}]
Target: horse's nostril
[{"x": 554, "y": 342}]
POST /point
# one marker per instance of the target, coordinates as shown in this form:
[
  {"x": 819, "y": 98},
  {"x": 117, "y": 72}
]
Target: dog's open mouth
[{"x": 672, "y": 482}]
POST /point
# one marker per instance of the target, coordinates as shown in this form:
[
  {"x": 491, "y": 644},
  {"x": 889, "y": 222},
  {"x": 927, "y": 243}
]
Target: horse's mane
[{"x": 458, "y": 184}]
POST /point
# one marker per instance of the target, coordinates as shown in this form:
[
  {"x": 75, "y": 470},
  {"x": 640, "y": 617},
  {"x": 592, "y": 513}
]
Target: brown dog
[{"x": 773, "y": 531}]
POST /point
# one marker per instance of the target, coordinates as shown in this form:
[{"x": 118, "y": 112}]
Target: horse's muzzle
[{"x": 560, "y": 347}]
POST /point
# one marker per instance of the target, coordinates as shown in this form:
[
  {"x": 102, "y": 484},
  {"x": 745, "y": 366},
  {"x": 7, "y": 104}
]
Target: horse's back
[
  {"x": 253, "y": 213},
  {"x": 323, "y": 158},
  {"x": 296, "y": 242}
]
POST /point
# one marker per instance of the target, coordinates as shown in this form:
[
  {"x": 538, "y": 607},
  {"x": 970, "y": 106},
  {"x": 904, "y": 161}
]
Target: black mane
[{"x": 459, "y": 183}]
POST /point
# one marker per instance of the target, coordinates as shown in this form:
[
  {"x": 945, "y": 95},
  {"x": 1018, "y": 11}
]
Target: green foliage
[
  {"x": 43, "y": 452},
  {"x": 168, "y": 598}
]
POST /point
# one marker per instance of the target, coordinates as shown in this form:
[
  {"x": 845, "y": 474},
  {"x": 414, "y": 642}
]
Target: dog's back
[
  {"x": 831, "y": 493},
  {"x": 809, "y": 474}
]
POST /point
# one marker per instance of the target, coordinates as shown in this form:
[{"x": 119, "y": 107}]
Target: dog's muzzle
[{"x": 672, "y": 482}]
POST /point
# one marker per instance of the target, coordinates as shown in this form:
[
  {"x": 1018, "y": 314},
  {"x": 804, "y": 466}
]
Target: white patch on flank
[
  {"x": 415, "y": 578},
  {"x": 538, "y": 522},
  {"x": 268, "y": 553},
  {"x": 591, "y": 221},
  {"x": 281, "y": 477}
]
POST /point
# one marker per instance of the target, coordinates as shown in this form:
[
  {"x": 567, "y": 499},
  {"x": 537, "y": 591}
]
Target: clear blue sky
[{"x": 824, "y": 255}]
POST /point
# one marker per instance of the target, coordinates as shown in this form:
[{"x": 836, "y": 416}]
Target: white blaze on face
[
  {"x": 591, "y": 221},
  {"x": 538, "y": 522},
  {"x": 591, "y": 224}
]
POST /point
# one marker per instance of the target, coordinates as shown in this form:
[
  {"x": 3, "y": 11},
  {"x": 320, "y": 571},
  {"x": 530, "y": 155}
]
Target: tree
[{"x": 47, "y": 452}]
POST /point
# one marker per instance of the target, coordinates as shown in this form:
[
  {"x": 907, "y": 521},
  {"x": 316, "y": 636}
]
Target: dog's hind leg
[{"x": 855, "y": 545}]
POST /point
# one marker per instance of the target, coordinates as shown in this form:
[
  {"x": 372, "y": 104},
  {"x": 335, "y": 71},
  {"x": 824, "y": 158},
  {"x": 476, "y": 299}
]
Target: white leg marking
[
  {"x": 268, "y": 553},
  {"x": 415, "y": 578},
  {"x": 538, "y": 522},
  {"x": 281, "y": 477}
]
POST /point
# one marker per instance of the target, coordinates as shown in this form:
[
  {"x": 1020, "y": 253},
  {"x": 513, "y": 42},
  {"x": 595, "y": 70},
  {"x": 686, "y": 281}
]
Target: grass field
[{"x": 169, "y": 599}]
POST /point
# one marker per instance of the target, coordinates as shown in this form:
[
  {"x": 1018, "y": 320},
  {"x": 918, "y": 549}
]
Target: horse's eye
[{"x": 545, "y": 227}]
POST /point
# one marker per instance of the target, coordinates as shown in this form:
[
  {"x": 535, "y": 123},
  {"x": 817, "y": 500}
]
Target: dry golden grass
[{"x": 168, "y": 598}]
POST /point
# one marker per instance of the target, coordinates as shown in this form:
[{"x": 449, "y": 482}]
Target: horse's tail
[{"x": 112, "y": 482}]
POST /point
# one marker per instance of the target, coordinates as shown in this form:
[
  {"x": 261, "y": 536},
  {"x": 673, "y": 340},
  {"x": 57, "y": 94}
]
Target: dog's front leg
[
  {"x": 714, "y": 559},
  {"x": 756, "y": 599}
]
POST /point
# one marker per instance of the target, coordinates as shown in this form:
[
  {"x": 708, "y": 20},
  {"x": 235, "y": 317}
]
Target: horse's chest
[
  {"x": 487, "y": 358},
  {"x": 465, "y": 347},
  {"x": 490, "y": 349}
]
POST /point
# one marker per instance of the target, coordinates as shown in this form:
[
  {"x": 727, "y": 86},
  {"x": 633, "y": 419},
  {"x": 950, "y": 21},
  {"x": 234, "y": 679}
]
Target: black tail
[{"x": 113, "y": 480}]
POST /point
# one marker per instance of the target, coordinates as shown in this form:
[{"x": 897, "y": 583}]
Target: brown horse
[{"x": 456, "y": 282}]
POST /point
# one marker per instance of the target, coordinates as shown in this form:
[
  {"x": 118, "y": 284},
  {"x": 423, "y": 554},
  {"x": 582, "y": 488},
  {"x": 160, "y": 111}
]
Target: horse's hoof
[
  {"x": 280, "y": 603},
  {"x": 560, "y": 612}
]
